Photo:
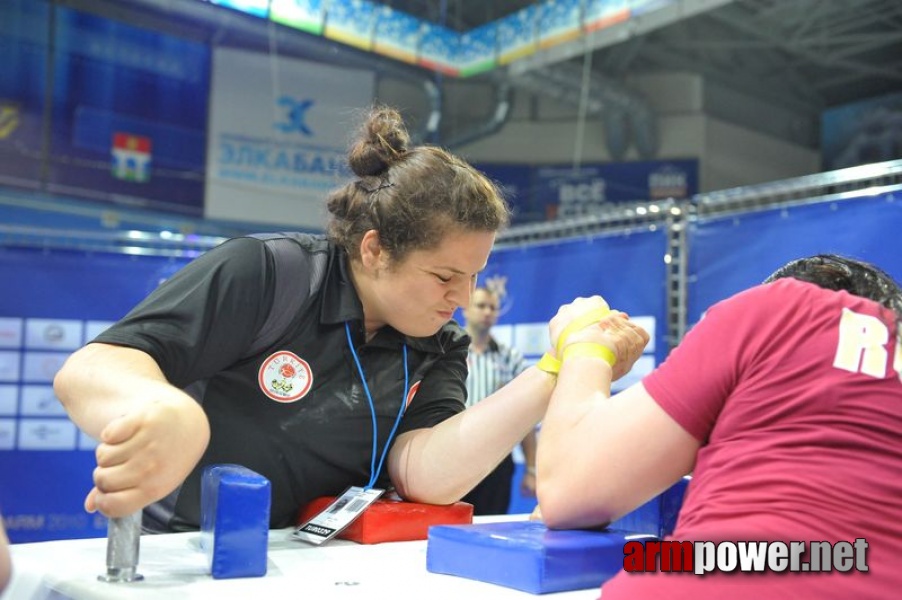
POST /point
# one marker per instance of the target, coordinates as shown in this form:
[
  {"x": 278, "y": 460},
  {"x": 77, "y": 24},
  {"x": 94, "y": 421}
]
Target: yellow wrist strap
[
  {"x": 549, "y": 364},
  {"x": 579, "y": 323},
  {"x": 590, "y": 349}
]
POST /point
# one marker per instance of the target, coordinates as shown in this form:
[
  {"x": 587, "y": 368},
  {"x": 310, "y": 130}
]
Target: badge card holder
[
  {"x": 337, "y": 516},
  {"x": 350, "y": 505}
]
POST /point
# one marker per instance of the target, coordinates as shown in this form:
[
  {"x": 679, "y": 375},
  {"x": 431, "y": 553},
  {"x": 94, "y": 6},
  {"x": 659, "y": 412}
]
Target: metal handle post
[{"x": 123, "y": 541}]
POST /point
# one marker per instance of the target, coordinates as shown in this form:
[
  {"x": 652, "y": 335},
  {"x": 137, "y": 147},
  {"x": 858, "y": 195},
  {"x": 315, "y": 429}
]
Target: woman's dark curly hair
[
  {"x": 412, "y": 196},
  {"x": 835, "y": 272}
]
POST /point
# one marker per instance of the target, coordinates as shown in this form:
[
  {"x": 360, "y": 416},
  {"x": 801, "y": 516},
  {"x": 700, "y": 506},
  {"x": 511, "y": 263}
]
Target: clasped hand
[
  {"x": 614, "y": 331},
  {"x": 145, "y": 454}
]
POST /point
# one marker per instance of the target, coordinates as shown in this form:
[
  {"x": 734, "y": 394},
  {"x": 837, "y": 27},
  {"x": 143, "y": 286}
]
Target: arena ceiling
[
  {"x": 802, "y": 56},
  {"x": 810, "y": 54}
]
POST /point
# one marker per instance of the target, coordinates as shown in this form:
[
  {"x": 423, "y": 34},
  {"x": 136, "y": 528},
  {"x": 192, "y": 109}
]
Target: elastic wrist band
[
  {"x": 580, "y": 323},
  {"x": 590, "y": 349},
  {"x": 549, "y": 364}
]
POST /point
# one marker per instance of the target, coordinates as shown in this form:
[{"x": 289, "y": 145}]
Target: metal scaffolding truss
[
  {"x": 813, "y": 48},
  {"x": 617, "y": 219},
  {"x": 622, "y": 218},
  {"x": 133, "y": 242},
  {"x": 798, "y": 56},
  {"x": 673, "y": 216},
  {"x": 669, "y": 216},
  {"x": 840, "y": 184}
]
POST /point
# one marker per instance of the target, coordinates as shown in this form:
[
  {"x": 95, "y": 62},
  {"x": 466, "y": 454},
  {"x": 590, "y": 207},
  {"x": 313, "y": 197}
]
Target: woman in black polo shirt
[{"x": 360, "y": 383}]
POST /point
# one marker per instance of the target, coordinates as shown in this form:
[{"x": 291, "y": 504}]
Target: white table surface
[{"x": 175, "y": 567}]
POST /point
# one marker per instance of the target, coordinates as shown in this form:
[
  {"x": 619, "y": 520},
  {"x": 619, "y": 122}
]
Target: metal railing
[
  {"x": 670, "y": 216},
  {"x": 840, "y": 184},
  {"x": 133, "y": 242}
]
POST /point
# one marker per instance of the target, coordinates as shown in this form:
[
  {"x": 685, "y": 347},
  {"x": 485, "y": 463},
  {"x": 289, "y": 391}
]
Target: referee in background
[{"x": 492, "y": 365}]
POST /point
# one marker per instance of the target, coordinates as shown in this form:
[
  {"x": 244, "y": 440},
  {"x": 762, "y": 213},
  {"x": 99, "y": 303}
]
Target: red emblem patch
[{"x": 285, "y": 377}]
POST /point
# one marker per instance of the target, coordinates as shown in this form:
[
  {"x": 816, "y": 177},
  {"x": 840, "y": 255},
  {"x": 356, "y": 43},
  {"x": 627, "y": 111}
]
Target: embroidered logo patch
[{"x": 285, "y": 377}]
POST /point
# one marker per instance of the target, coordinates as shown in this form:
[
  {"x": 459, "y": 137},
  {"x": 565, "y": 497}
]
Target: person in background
[
  {"x": 785, "y": 403},
  {"x": 490, "y": 366},
  {"x": 363, "y": 384}
]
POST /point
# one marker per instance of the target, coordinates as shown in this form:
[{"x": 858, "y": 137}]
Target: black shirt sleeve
[
  {"x": 204, "y": 318},
  {"x": 442, "y": 392}
]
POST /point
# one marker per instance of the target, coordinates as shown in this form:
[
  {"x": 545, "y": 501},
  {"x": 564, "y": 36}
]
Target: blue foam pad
[
  {"x": 235, "y": 506},
  {"x": 526, "y": 555},
  {"x": 671, "y": 503},
  {"x": 657, "y": 516}
]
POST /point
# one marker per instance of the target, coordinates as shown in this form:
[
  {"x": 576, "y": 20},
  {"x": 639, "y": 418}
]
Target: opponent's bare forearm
[
  {"x": 571, "y": 434},
  {"x": 591, "y": 470}
]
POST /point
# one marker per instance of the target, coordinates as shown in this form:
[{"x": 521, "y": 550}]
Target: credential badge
[{"x": 285, "y": 377}]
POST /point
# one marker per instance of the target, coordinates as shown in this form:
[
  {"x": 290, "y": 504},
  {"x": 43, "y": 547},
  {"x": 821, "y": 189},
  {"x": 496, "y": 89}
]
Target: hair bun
[{"x": 382, "y": 141}]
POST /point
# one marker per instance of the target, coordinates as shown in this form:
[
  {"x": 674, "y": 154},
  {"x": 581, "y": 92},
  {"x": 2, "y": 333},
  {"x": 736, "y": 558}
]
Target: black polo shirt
[{"x": 296, "y": 411}]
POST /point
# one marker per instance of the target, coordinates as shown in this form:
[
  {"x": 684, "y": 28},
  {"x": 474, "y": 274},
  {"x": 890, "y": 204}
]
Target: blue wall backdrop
[
  {"x": 730, "y": 254},
  {"x": 626, "y": 269},
  {"x": 52, "y": 303},
  {"x": 108, "y": 78},
  {"x": 548, "y": 192},
  {"x": 45, "y": 464}
]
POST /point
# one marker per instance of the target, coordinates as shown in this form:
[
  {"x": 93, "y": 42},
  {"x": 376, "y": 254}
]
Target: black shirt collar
[{"x": 340, "y": 300}]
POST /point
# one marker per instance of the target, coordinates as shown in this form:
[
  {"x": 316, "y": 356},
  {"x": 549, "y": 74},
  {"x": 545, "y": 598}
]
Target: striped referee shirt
[{"x": 491, "y": 369}]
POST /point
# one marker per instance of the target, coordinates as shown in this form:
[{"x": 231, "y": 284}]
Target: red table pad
[{"x": 391, "y": 520}]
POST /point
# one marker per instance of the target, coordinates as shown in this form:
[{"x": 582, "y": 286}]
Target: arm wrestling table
[{"x": 174, "y": 566}]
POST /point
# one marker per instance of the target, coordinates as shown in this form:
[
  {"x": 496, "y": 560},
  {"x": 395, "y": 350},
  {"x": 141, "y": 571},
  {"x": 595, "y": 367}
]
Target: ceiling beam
[{"x": 635, "y": 26}]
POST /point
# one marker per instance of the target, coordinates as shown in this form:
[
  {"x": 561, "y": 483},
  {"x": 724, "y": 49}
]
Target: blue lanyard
[{"x": 374, "y": 472}]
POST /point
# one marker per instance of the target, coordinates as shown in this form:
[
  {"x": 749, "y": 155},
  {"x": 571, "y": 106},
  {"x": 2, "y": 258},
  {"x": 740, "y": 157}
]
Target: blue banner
[
  {"x": 549, "y": 192},
  {"x": 23, "y": 46},
  {"x": 627, "y": 270},
  {"x": 129, "y": 111},
  {"x": 515, "y": 182},
  {"x": 60, "y": 300},
  {"x": 732, "y": 253},
  {"x": 576, "y": 192}
]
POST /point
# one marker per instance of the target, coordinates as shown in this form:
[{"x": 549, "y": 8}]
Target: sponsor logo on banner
[
  {"x": 668, "y": 182},
  {"x": 577, "y": 191},
  {"x": 295, "y": 112},
  {"x": 276, "y": 151},
  {"x": 54, "y": 334},
  {"x": 285, "y": 377},
  {"x": 131, "y": 157},
  {"x": 9, "y": 118},
  {"x": 10, "y": 332}
]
